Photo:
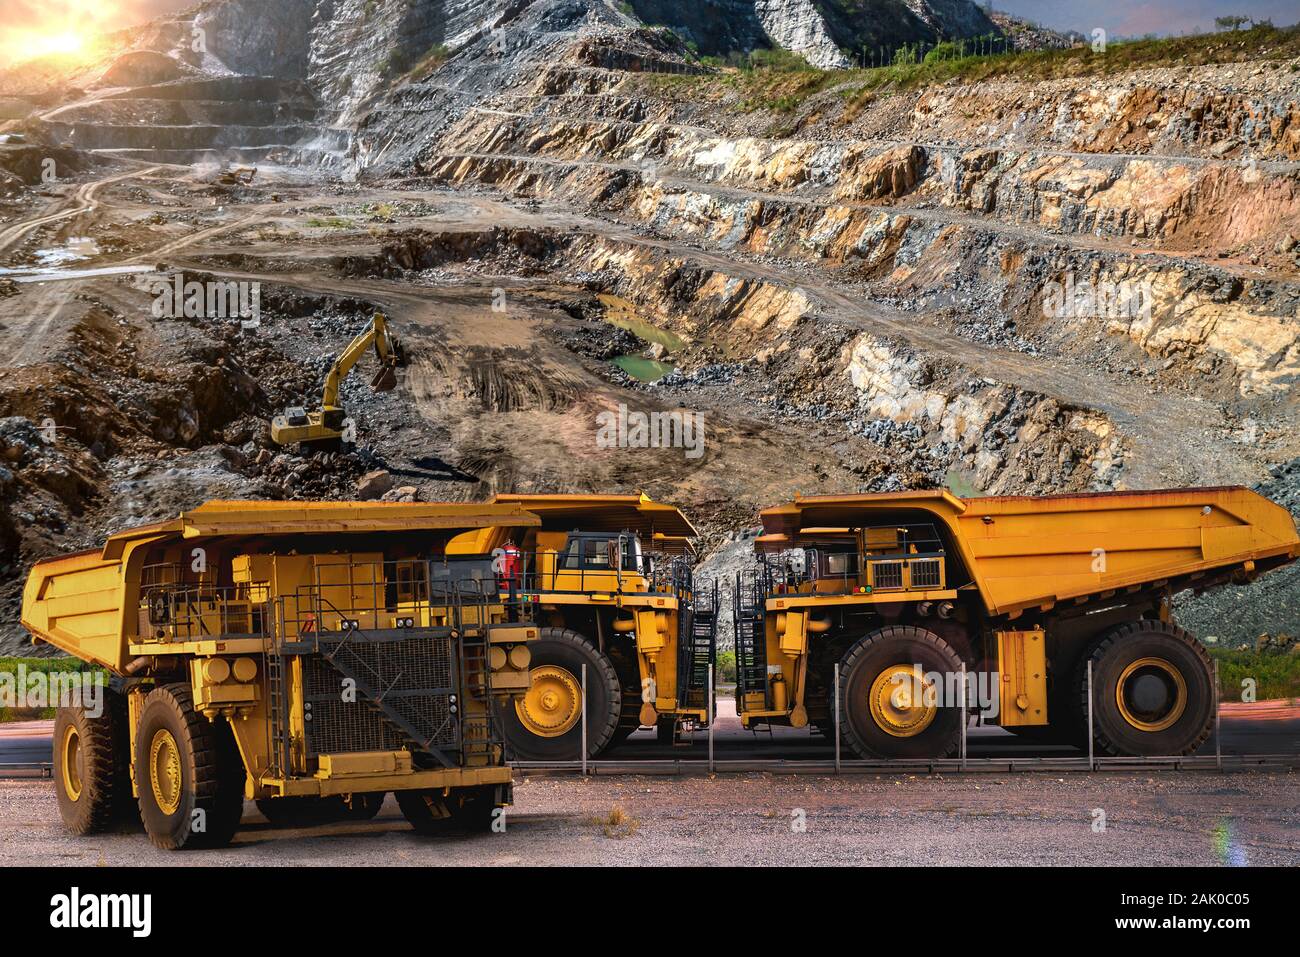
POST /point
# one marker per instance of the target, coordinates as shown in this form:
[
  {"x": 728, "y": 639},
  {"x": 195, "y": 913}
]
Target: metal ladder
[
  {"x": 366, "y": 681},
  {"x": 481, "y": 734},
  {"x": 277, "y": 705},
  {"x": 751, "y": 636},
  {"x": 702, "y": 645}
]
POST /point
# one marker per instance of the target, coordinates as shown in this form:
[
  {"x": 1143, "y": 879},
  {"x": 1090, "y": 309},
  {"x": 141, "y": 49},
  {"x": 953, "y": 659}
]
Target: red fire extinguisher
[{"x": 511, "y": 566}]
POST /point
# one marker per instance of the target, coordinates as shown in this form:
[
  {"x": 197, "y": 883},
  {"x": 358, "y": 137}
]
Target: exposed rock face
[
  {"x": 252, "y": 37},
  {"x": 1026, "y": 35},
  {"x": 928, "y": 275},
  {"x": 799, "y": 25},
  {"x": 827, "y": 33},
  {"x": 714, "y": 26},
  {"x": 359, "y": 47},
  {"x": 337, "y": 58}
]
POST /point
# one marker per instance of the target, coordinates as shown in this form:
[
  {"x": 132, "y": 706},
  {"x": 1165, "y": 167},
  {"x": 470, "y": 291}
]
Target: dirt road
[{"x": 1161, "y": 819}]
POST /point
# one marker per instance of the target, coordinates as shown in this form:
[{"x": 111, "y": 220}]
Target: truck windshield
[{"x": 597, "y": 552}]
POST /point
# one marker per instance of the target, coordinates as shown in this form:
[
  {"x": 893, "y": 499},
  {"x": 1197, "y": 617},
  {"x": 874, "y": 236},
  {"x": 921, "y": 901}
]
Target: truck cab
[{"x": 612, "y": 582}]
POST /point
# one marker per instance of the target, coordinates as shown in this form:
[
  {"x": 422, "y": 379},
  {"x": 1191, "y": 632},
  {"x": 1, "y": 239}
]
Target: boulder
[{"x": 374, "y": 485}]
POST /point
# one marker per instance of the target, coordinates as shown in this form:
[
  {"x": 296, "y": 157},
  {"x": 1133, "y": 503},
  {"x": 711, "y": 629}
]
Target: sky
[
  {"x": 31, "y": 28},
  {"x": 27, "y": 27},
  {"x": 1160, "y": 17}
]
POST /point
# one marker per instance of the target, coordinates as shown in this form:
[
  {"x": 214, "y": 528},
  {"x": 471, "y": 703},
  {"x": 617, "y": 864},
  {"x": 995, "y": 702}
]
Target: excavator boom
[{"x": 326, "y": 427}]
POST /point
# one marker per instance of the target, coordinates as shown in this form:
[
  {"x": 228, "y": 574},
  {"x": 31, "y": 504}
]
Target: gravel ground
[{"x": 1036, "y": 819}]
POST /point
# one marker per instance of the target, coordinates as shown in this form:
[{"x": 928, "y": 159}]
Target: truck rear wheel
[
  {"x": 1152, "y": 691},
  {"x": 890, "y": 708},
  {"x": 189, "y": 775},
  {"x": 466, "y": 810},
  {"x": 92, "y": 776},
  {"x": 545, "y": 724}
]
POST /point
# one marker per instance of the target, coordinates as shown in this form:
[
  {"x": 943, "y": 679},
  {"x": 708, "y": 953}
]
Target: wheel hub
[
  {"x": 73, "y": 764},
  {"x": 902, "y": 702},
  {"x": 1151, "y": 694},
  {"x": 165, "y": 771},
  {"x": 553, "y": 703}
]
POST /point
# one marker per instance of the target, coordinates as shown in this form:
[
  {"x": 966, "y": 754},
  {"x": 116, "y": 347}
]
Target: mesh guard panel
[
  {"x": 925, "y": 573},
  {"x": 887, "y": 575},
  {"x": 415, "y": 676}
]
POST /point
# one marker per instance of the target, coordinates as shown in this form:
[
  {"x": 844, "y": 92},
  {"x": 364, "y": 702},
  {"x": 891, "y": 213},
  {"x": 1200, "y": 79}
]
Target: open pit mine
[{"x": 724, "y": 253}]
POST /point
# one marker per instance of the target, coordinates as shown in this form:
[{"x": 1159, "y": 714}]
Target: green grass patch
[
  {"x": 726, "y": 667},
  {"x": 1274, "y": 671},
  {"x": 781, "y": 82},
  {"x": 433, "y": 58},
  {"x": 9, "y": 666},
  {"x": 329, "y": 222}
]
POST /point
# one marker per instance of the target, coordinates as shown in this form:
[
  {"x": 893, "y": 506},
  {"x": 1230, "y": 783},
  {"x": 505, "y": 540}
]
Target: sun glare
[
  {"x": 61, "y": 44},
  {"x": 68, "y": 31},
  {"x": 36, "y": 43}
]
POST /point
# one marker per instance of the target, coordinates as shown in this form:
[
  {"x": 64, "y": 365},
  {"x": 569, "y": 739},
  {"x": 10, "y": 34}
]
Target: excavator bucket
[{"x": 385, "y": 380}]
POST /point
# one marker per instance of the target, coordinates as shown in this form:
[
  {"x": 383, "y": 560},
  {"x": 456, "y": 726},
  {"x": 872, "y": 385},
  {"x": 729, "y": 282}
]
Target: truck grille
[
  {"x": 925, "y": 573},
  {"x": 416, "y": 678},
  {"x": 886, "y": 575}
]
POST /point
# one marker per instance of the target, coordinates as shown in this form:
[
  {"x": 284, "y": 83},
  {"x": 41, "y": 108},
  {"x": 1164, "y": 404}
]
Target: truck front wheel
[
  {"x": 545, "y": 724},
  {"x": 894, "y": 700},
  {"x": 189, "y": 775},
  {"x": 1152, "y": 691}
]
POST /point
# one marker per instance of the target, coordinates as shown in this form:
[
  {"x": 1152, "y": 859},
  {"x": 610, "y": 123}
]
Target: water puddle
[
  {"x": 643, "y": 369},
  {"x": 51, "y": 263},
  {"x": 621, "y": 313},
  {"x": 32, "y": 274},
  {"x": 960, "y": 484},
  {"x": 74, "y": 250}
]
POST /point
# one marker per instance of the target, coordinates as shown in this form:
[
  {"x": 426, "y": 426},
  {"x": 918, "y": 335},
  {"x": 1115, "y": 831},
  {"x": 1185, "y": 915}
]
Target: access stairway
[{"x": 747, "y": 604}]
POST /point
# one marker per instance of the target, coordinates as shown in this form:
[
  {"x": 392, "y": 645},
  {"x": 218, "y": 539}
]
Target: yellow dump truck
[
  {"x": 311, "y": 657},
  {"x": 934, "y": 607},
  {"x": 611, "y": 580}
]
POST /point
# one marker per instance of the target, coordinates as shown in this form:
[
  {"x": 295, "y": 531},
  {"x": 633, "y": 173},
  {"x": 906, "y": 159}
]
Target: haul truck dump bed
[
  {"x": 900, "y": 590},
  {"x": 611, "y": 579},
  {"x": 312, "y": 657}
]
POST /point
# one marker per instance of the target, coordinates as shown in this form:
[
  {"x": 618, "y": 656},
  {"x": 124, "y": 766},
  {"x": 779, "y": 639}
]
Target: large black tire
[
  {"x": 465, "y": 810},
  {"x": 864, "y": 662},
  {"x": 567, "y": 650},
  {"x": 1151, "y": 688},
  {"x": 92, "y": 768},
  {"x": 203, "y": 789}
]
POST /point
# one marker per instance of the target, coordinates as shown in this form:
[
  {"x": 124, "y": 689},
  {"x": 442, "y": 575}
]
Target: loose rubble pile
[{"x": 1267, "y": 612}]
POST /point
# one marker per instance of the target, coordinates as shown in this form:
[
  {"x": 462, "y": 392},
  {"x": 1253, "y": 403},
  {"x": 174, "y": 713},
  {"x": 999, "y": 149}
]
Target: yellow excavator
[
  {"x": 239, "y": 176},
  {"x": 326, "y": 428}
]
